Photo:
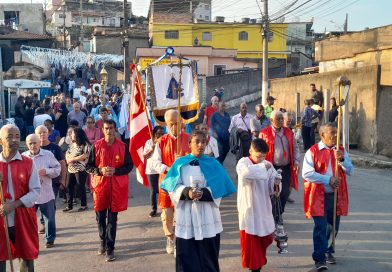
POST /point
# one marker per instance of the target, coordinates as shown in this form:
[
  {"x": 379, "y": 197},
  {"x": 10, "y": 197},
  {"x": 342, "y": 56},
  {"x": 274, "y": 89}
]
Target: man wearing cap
[{"x": 269, "y": 107}]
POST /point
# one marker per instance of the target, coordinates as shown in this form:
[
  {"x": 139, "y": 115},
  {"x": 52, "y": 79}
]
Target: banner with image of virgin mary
[{"x": 164, "y": 88}]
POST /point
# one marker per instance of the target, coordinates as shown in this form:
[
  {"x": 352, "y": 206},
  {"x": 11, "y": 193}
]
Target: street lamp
[{"x": 104, "y": 80}]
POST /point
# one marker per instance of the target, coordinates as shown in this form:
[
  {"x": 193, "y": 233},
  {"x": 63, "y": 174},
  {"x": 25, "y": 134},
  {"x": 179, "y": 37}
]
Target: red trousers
[{"x": 254, "y": 249}]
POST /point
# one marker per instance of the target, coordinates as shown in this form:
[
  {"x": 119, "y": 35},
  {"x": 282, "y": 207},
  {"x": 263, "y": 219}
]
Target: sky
[{"x": 327, "y": 14}]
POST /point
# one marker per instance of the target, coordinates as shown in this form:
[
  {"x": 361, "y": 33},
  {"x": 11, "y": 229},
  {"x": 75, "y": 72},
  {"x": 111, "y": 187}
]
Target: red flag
[{"x": 139, "y": 126}]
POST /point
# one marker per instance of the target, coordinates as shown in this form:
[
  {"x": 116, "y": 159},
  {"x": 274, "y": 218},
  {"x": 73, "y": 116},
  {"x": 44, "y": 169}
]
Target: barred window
[
  {"x": 171, "y": 34},
  {"x": 243, "y": 36},
  {"x": 207, "y": 36}
]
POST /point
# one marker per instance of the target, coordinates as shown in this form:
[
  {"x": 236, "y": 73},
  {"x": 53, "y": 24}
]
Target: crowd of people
[{"x": 73, "y": 147}]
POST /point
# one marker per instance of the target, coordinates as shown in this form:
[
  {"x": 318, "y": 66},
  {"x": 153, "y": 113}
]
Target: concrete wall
[
  {"x": 384, "y": 121},
  {"x": 235, "y": 85},
  {"x": 30, "y": 16},
  {"x": 364, "y": 99},
  {"x": 349, "y": 45},
  {"x": 113, "y": 45}
]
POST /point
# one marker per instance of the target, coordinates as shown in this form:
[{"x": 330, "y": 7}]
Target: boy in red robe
[
  {"x": 164, "y": 156},
  {"x": 21, "y": 188}
]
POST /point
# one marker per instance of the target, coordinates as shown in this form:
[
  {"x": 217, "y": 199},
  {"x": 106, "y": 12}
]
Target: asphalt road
[{"x": 364, "y": 242}]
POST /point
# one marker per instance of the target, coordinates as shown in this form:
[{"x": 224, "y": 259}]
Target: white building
[
  {"x": 203, "y": 11},
  {"x": 300, "y": 37}
]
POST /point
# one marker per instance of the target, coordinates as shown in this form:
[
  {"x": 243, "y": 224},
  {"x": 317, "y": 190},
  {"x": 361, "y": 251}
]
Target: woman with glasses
[{"x": 93, "y": 133}]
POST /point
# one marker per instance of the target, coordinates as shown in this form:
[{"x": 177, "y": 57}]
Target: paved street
[{"x": 364, "y": 242}]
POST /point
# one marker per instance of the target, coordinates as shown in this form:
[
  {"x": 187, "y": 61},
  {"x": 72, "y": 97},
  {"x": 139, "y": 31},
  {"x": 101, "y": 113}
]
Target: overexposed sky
[{"x": 327, "y": 14}]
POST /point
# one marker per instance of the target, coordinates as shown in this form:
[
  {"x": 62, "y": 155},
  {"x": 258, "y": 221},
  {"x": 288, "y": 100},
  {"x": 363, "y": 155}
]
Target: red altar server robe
[
  {"x": 26, "y": 230},
  {"x": 168, "y": 147},
  {"x": 110, "y": 192},
  {"x": 268, "y": 136},
  {"x": 314, "y": 193}
]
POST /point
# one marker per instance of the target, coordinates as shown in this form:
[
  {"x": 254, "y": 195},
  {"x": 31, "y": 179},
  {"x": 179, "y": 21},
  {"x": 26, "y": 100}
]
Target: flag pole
[
  {"x": 179, "y": 91},
  {"x": 7, "y": 236}
]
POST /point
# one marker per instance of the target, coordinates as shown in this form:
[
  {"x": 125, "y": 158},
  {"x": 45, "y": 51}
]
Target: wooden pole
[
  {"x": 336, "y": 174},
  {"x": 179, "y": 90},
  {"x": 7, "y": 236}
]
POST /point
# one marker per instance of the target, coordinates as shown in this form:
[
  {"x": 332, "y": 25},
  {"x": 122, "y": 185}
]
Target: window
[
  {"x": 207, "y": 18},
  {"x": 207, "y": 36},
  {"x": 171, "y": 34},
  {"x": 207, "y": 7},
  {"x": 243, "y": 36},
  {"x": 219, "y": 70},
  {"x": 11, "y": 18}
]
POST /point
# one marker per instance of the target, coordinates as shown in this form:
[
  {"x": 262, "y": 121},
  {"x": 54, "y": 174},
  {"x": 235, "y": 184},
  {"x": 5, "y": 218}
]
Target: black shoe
[
  {"x": 331, "y": 259},
  {"x": 153, "y": 214},
  {"x": 49, "y": 245},
  {"x": 321, "y": 266},
  {"x": 67, "y": 209},
  {"x": 110, "y": 256}
]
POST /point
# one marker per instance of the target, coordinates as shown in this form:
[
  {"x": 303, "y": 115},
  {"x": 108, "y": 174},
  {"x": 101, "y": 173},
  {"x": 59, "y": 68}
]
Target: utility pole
[
  {"x": 64, "y": 34},
  {"x": 125, "y": 46},
  {"x": 265, "y": 35},
  {"x": 81, "y": 26},
  {"x": 345, "y": 24}
]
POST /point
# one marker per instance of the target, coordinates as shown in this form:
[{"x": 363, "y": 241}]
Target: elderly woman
[{"x": 93, "y": 133}]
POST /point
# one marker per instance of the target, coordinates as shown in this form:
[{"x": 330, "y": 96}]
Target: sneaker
[
  {"x": 49, "y": 245},
  {"x": 110, "y": 256},
  {"x": 170, "y": 246},
  {"x": 152, "y": 214},
  {"x": 101, "y": 250},
  {"x": 321, "y": 266},
  {"x": 67, "y": 209},
  {"x": 290, "y": 200},
  {"x": 42, "y": 230},
  {"x": 331, "y": 259}
]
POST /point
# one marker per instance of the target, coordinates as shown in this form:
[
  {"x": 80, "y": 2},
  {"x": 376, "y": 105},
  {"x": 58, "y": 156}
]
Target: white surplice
[
  {"x": 255, "y": 185},
  {"x": 195, "y": 219}
]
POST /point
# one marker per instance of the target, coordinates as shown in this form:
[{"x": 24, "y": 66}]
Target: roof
[
  {"x": 139, "y": 31},
  {"x": 7, "y": 33}
]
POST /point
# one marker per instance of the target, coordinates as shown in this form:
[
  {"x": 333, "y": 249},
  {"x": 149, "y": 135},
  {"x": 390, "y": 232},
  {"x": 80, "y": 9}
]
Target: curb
[{"x": 369, "y": 162}]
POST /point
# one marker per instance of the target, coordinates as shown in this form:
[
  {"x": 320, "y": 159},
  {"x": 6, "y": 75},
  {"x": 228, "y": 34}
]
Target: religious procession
[{"x": 199, "y": 157}]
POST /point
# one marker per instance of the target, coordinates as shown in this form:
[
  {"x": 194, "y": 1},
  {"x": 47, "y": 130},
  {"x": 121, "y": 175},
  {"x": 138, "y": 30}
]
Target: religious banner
[{"x": 170, "y": 84}]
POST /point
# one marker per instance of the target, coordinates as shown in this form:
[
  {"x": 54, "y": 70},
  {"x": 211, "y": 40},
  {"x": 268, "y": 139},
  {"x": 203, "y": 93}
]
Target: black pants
[
  {"x": 313, "y": 134},
  {"x": 306, "y": 137},
  {"x": 277, "y": 208},
  {"x": 223, "y": 148},
  {"x": 78, "y": 179},
  {"x": 197, "y": 255},
  {"x": 25, "y": 265},
  {"x": 153, "y": 180},
  {"x": 107, "y": 227},
  {"x": 244, "y": 149}
]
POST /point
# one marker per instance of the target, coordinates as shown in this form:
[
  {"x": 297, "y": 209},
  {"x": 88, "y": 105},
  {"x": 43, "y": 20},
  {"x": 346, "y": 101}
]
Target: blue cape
[{"x": 216, "y": 176}]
